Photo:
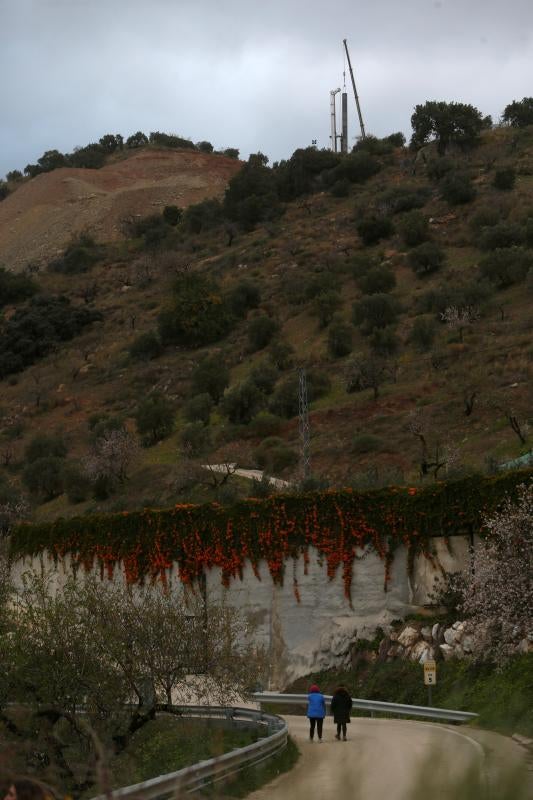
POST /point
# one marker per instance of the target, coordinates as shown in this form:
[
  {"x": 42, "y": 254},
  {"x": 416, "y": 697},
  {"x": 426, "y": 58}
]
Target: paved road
[
  {"x": 384, "y": 758},
  {"x": 251, "y": 474}
]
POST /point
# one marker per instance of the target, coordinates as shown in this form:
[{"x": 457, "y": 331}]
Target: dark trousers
[
  {"x": 343, "y": 726},
  {"x": 318, "y": 721}
]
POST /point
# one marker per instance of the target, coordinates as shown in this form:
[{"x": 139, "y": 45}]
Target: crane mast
[{"x": 356, "y": 96}]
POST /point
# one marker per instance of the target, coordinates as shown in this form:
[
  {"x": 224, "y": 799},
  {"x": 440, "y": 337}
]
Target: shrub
[
  {"x": 111, "y": 142},
  {"x": 203, "y": 216},
  {"x": 273, "y": 455},
  {"x": 138, "y": 139},
  {"x": 457, "y": 189},
  {"x": 43, "y": 445},
  {"x": 405, "y": 198},
  {"x": 361, "y": 263},
  {"x": 507, "y": 266},
  {"x": 284, "y": 401},
  {"x": 375, "y": 311},
  {"x": 384, "y": 341},
  {"x": 198, "y": 408},
  {"x": 319, "y": 282},
  {"x": 341, "y": 188},
  {"x": 438, "y": 168},
  {"x": 281, "y": 354},
  {"x": 155, "y": 418},
  {"x": 199, "y": 313},
  {"x": 92, "y": 156},
  {"x": 170, "y": 140},
  {"x": 340, "y": 337},
  {"x": 242, "y": 402},
  {"x": 14, "y": 287},
  {"x": 519, "y": 113},
  {"x": 324, "y": 306},
  {"x": 76, "y": 484},
  {"x": 473, "y": 293},
  {"x": 377, "y": 280},
  {"x": 265, "y": 375},
  {"x": 44, "y": 477},
  {"x": 195, "y": 438},
  {"x": 485, "y": 217},
  {"x": 244, "y": 296},
  {"x": 426, "y": 258},
  {"x": 146, "y": 347},
  {"x": 504, "y": 179},
  {"x": 414, "y": 228},
  {"x": 79, "y": 256},
  {"x": 102, "y": 425},
  {"x": 211, "y": 376},
  {"x": 364, "y": 443},
  {"x": 265, "y": 424},
  {"x": 14, "y": 176},
  {"x": 261, "y": 329},
  {"x": 356, "y": 168},
  {"x": 172, "y": 215},
  {"x": 204, "y": 147},
  {"x": 423, "y": 332},
  {"x": 504, "y": 234},
  {"x": 318, "y": 384},
  {"x": 373, "y": 228}
]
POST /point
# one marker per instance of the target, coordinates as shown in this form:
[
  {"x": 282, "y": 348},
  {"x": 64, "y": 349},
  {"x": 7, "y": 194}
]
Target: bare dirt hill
[{"x": 40, "y": 218}]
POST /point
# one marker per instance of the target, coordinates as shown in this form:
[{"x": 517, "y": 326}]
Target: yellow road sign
[{"x": 430, "y": 673}]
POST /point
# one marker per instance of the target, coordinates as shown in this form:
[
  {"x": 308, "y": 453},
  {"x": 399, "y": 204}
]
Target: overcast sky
[{"x": 246, "y": 74}]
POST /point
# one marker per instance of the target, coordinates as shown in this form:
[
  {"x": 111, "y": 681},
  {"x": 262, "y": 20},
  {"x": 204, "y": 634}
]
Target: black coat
[{"x": 341, "y": 704}]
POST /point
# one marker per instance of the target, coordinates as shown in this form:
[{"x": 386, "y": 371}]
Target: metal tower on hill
[
  {"x": 305, "y": 434},
  {"x": 356, "y": 96}
]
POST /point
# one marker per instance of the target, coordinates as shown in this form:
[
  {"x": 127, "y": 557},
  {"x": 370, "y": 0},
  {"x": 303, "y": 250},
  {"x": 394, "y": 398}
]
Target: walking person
[
  {"x": 341, "y": 705},
  {"x": 316, "y": 711}
]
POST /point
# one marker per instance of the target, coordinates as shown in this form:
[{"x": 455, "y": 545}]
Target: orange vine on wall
[{"x": 342, "y": 525}]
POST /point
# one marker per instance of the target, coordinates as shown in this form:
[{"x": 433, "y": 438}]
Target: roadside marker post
[{"x": 430, "y": 676}]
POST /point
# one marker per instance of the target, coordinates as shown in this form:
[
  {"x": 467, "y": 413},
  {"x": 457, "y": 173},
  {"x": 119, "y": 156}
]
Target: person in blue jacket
[{"x": 316, "y": 711}]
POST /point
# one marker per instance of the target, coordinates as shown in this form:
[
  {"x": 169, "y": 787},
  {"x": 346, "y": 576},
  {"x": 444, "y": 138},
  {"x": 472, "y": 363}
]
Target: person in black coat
[{"x": 341, "y": 705}]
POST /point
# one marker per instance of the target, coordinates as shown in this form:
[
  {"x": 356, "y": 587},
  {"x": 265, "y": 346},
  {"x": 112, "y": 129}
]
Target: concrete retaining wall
[{"x": 319, "y": 631}]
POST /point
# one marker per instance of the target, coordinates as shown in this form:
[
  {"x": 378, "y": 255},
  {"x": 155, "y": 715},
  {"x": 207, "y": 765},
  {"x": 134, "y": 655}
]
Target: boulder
[
  {"x": 467, "y": 643},
  {"x": 435, "y": 632},
  {"x": 419, "y": 652},
  {"x": 447, "y": 651},
  {"x": 450, "y": 636},
  {"x": 408, "y": 636},
  {"x": 426, "y": 633}
]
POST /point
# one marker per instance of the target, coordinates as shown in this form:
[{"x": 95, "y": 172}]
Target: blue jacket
[{"x": 316, "y": 706}]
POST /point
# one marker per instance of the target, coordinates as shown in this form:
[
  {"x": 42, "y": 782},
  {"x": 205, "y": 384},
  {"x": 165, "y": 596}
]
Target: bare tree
[
  {"x": 112, "y": 455},
  {"x": 460, "y": 317},
  {"x": 434, "y": 454},
  {"x": 366, "y": 372},
  {"x": 120, "y": 652}
]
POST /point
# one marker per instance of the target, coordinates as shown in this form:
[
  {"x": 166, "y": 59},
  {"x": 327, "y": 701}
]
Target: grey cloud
[{"x": 246, "y": 74}]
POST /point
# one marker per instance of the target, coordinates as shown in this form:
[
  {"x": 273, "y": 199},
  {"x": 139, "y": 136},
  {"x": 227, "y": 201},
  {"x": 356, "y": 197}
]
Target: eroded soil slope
[{"x": 38, "y": 220}]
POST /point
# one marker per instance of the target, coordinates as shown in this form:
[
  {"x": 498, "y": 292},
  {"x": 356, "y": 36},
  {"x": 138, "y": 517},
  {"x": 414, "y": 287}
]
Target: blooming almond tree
[
  {"x": 498, "y": 595},
  {"x": 112, "y": 455}
]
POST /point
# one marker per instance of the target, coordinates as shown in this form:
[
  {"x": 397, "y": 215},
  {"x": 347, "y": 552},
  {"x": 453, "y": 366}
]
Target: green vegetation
[
  {"x": 447, "y": 123},
  {"x": 502, "y": 698},
  {"x": 34, "y": 330}
]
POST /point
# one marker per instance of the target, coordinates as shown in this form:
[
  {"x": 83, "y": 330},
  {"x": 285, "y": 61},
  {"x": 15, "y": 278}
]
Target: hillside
[
  {"x": 428, "y": 399},
  {"x": 41, "y": 217}
]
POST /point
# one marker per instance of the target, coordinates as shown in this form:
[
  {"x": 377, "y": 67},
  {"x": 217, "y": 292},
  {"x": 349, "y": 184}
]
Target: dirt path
[{"x": 384, "y": 759}]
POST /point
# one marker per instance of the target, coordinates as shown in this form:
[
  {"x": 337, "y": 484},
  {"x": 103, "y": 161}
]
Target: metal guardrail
[
  {"x": 191, "y": 779},
  {"x": 373, "y": 706}
]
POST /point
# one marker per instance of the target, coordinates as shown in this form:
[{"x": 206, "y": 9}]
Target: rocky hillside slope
[
  {"x": 430, "y": 380},
  {"x": 44, "y": 214}
]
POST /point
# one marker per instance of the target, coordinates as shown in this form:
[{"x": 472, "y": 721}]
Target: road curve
[{"x": 383, "y": 758}]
